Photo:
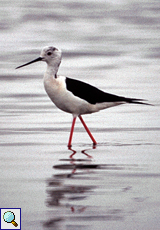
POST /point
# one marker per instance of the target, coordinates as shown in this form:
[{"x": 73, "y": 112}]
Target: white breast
[{"x": 64, "y": 99}]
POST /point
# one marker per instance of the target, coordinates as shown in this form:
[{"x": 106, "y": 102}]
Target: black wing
[{"x": 93, "y": 95}]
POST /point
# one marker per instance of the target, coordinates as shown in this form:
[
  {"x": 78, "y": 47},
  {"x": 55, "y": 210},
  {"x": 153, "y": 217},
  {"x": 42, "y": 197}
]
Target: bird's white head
[{"x": 51, "y": 55}]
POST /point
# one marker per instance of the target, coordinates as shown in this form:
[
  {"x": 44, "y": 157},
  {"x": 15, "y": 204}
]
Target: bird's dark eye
[{"x": 49, "y": 53}]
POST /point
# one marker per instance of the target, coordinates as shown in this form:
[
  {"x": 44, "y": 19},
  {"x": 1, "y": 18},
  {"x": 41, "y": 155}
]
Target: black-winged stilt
[{"x": 73, "y": 96}]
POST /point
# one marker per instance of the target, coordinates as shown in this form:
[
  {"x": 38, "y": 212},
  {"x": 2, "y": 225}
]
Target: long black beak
[{"x": 35, "y": 60}]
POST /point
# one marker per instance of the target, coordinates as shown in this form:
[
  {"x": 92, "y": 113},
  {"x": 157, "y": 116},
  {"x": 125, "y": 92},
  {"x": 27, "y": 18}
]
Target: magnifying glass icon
[{"x": 9, "y": 217}]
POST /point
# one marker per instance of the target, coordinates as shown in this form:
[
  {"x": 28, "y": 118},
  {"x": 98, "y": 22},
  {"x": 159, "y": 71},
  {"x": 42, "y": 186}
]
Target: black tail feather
[{"x": 137, "y": 101}]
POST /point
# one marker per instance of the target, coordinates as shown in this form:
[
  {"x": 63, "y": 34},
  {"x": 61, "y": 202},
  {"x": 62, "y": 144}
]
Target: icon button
[{"x": 9, "y": 217}]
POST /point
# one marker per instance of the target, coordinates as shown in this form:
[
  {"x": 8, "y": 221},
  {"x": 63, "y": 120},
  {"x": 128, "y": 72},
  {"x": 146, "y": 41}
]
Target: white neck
[{"x": 52, "y": 70}]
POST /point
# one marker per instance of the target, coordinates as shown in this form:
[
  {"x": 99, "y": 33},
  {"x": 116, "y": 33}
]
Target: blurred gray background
[{"x": 114, "y": 45}]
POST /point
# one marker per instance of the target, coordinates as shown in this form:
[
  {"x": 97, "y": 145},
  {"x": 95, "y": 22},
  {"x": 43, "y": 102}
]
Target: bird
[{"x": 75, "y": 96}]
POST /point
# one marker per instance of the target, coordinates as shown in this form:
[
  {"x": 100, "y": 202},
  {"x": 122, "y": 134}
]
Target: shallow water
[{"x": 113, "y": 45}]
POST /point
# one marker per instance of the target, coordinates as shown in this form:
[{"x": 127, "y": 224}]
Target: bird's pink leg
[
  {"x": 88, "y": 131},
  {"x": 71, "y": 132}
]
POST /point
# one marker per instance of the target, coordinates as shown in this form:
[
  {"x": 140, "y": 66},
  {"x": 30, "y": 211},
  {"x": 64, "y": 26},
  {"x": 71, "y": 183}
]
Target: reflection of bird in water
[
  {"x": 73, "y": 96},
  {"x": 82, "y": 151}
]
